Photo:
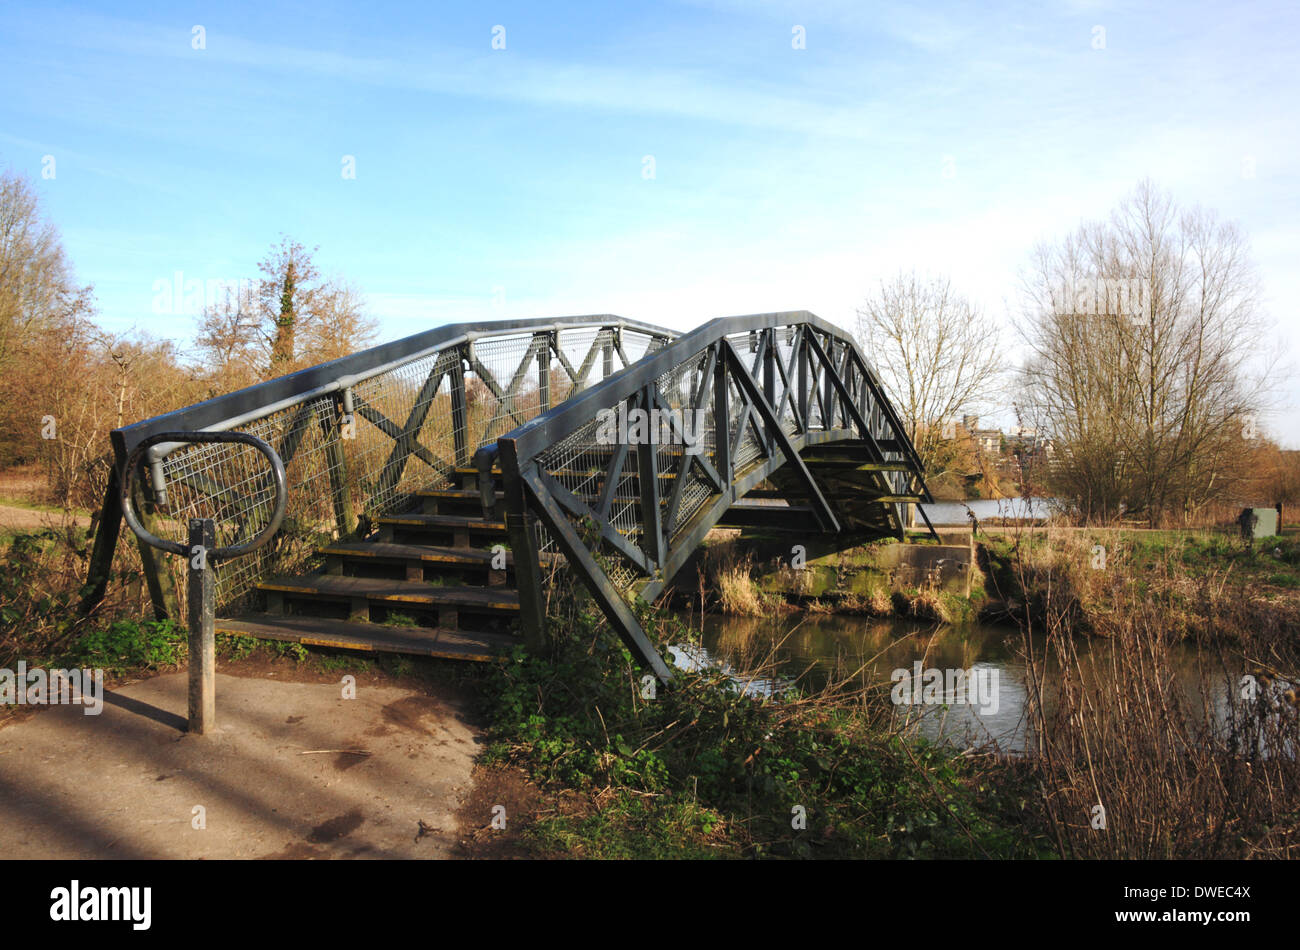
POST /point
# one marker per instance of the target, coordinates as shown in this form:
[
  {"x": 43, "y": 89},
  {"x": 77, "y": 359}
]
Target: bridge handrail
[
  {"x": 216, "y": 554},
  {"x": 231, "y": 410},
  {"x": 536, "y": 434}
]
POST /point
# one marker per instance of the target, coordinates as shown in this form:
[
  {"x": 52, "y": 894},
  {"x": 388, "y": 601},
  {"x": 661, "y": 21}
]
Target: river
[
  {"x": 985, "y": 509},
  {"x": 816, "y": 645}
]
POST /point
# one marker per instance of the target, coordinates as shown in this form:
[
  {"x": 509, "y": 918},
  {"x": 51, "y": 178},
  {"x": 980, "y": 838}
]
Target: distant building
[{"x": 988, "y": 441}]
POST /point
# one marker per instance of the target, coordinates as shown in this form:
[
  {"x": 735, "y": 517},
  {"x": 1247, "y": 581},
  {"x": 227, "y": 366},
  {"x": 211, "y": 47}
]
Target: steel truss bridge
[{"x": 422, "y": 496}]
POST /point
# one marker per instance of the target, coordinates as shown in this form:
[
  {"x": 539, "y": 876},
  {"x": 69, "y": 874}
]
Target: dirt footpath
[
  {"x": 280, "y": 778},
  {"x": 28, "y": 519}
]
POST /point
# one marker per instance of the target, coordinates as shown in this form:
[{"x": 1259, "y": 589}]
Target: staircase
[{"x": 422, "y": 583}]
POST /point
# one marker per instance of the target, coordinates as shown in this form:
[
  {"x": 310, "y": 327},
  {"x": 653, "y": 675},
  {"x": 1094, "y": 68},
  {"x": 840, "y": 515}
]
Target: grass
[{"x": 732, "y": 576}]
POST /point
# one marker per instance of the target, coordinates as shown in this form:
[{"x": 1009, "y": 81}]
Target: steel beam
[
  {"x": 825, "y": 516},
  {"x": 607, "y": 596}
]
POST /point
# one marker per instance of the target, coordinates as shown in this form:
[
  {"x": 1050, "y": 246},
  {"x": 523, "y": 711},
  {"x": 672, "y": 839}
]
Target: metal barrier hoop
[{"x": 175, "y": 547}]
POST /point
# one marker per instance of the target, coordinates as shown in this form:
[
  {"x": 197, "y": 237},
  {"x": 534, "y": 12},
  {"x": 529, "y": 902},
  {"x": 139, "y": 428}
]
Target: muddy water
[{"x": 815, "y": 646}]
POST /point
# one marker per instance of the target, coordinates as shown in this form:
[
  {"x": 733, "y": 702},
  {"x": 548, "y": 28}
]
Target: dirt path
[
  {"x": 14, "y": 518},
  {"x": 126, "y": 783}
]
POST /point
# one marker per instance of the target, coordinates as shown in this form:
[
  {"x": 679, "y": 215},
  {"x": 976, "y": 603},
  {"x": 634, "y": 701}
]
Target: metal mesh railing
[{"x": 362, "y": 443}]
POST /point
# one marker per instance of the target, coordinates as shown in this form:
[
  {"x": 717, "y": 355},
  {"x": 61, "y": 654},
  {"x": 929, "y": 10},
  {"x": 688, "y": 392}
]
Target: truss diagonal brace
[
  {"x": 849, "y": 404},
  {"x": 615, "y": 607},
  {"x": 821, "y": 508}
]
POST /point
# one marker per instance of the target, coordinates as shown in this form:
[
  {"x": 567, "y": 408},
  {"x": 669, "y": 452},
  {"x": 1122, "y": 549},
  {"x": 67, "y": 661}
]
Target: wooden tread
[
  {"x": 442, "y": 521},
  {"x": 372, "y": 637},
  {"x": 429, "y": 554},
  {"x": 456, "y": 494},
  {"x": 384, "y": 591}
]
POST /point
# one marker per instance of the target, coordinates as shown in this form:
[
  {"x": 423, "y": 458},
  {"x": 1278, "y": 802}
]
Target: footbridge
[{"x": 422, "y": 496}]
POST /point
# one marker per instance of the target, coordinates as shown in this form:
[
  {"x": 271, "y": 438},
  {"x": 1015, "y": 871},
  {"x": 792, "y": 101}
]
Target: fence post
[
  {"x": 544, "y": 370},
  {"x": 202, "y": 594},
  {"x": 722, "y": 420},
  {"x": 769, "y": 382}
]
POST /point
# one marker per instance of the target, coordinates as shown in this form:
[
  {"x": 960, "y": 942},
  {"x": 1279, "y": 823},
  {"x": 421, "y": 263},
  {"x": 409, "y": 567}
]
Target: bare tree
[
  {"x": 229, "y": 338},
  {"x": 287, "y": 319},
  {"x": 40, "y": 305},
  {"x": 339, "y": 326},
  {"x": 1141, "y": 331},
  {"x": 938, "y": 356}
]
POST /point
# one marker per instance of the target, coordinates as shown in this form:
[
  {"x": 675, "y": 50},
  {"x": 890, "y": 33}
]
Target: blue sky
[{"x": 510, "y": 182}]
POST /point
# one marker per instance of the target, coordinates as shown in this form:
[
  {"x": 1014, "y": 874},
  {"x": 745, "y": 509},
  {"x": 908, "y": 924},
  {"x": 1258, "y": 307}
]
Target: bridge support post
[
  {"x": 801, "y": 379},
  {"x": 107, "y": 529},
  {"x": 647, "y": 461},
  {"x": 722, "y": 420},
  {"x": 459, "y": 415},
  {"x": 158, "y": 578},
  {"x": 523, "y": 542},
  {"x": 610, "y": 600},
  {"x": 544, "y": 341},
  {"x": 769, "y": 381},
  {"x": 340, "y": 488}
]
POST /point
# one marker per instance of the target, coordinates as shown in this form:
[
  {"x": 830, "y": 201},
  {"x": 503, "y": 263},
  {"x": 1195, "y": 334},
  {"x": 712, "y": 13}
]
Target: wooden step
[
  {"x": 425, "y": 553},
  {"x": 788, "y": 517},
  {"x": 465, "y": 522},
  {"x": 371, "y": 637},
  {"x": 392, "y": 592},
  {"x": 457, "y": 494},
  {"x": 557, "y": 472}
]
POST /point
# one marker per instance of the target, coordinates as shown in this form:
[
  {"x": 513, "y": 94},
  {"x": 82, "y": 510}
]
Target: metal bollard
[{"x": 202, "y": 622}]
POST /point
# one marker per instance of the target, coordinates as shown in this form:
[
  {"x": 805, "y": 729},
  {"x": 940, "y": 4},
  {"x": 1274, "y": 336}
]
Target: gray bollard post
[{"x": 202, "y": 594}]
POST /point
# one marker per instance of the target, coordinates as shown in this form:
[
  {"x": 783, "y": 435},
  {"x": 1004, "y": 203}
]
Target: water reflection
[{"x": 811, "y": 648}]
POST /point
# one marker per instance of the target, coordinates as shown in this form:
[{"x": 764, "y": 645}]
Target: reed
[{"x": 1129, "y": 763}]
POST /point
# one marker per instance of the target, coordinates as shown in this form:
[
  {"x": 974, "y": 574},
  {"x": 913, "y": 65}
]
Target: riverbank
[
  {"x": 1208, "y": 584},
  {"x": 758, "y": 577},
  {"x": 1198, "y": 576}
]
